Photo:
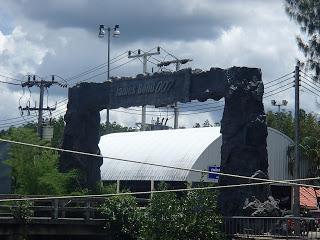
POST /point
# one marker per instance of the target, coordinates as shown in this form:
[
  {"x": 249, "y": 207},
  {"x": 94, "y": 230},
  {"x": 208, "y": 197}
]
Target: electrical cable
[
  {"x": 278, "y": 78},
  {"x": 10, "y": 83},
  {"x": 279, "y": 87},
  {"x": 95, "y": 68},
  {"x": 311, "y": 84},
  {"x": 277, "y": 83},
  {"x": 15, "y": 79},
  {"x": 310, "y": 91},
  {"x": 148, "y": 192},
  {"x": 307, "y": 74},
  {"x": 155, "y": 164},
  {"x": 283, "y": 90}
]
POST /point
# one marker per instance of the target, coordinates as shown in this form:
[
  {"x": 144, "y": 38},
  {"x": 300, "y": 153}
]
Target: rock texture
[
  {"x": 243, "y": 126},
  {"x": 244, "y": 135}
]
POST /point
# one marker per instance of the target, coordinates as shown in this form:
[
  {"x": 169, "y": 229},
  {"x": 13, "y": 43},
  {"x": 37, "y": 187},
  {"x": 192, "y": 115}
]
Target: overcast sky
[{"x": 61, "y": 37}]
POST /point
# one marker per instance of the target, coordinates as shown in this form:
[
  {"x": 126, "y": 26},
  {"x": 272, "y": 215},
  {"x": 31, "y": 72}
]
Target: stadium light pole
[{"x": 102, "y": 33}]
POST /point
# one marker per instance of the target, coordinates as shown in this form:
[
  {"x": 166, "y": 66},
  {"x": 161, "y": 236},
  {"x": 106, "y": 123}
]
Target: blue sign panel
[{"x": 213, "y": 169}]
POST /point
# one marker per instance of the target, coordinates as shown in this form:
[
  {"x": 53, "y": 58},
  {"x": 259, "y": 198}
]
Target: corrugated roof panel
[
  {"x": 179, "y": 148},
  {"x": 308, "y": 198},
  {"x": 196, "y": 148}
]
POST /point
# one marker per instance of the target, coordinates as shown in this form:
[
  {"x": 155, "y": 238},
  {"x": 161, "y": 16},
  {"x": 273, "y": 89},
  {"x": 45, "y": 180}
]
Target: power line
[
  {"x": 278, "y": 78},
  {"x": 277, "y": 83},
  {"x": 93, "y": 69},
  {"x": 150, "y": 192},
  {"x": 283, "y": 90},
  {"x": 10, "y": 83},
  {"x": 310, "y": 91},
  {"x": 153, "y": 164},
  {"x": 15, "y": 79},
  {"x": 306, "y": 74},
  {"x": 311, "y": 84}
]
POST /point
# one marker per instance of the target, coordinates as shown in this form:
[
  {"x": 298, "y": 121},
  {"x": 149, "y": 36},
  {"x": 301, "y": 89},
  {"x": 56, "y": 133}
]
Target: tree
[
  {"x": 193, "y": 215},
  {"x": 123, "y": 217},
  {"x": 34, "y": 170},
  {"x": 310, "y": 133},
  {"x": 58, "y": 129},
  {"x": 307, "y": 14},
  {"x": 114, "y": 128}
]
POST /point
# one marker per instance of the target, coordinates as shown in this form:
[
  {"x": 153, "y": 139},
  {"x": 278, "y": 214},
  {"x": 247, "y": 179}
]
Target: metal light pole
[
  {"x": 116, "y": 33},
  {"x": 283, "y": 103}
]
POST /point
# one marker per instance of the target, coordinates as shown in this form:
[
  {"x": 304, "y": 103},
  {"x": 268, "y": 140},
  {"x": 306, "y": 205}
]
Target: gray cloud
[
  {"x": 143, "y": 19},
  {"x": 214, "y": 33}
]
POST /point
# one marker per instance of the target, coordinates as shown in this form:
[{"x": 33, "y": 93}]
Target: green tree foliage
[
  {"x": 192, "y": 215},
  {"x": 307, "y": 14},
  {"x": 310, "y": 133},
  {"x": 34, "y": 170},
  {"x": 113, "y": 128},
  {"x": 123, "y": 217},
  {"x": 58, "y": 128}
]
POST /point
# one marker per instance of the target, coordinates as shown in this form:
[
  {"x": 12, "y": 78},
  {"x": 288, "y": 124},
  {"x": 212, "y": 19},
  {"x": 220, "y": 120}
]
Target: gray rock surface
[{"x": 243, "y": 126}]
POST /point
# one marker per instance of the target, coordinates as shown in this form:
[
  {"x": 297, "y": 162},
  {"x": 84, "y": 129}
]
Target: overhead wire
[
  {"x": 153, "y": 164},
  {"x": 283, "y": 76},
  {"x": 12, "y": 78},
  {"x": 148, "y": 192},
  {"x": 304, "y": 87},
  {"x": 10, "y": 83},
  {"x": 98, "y": 67}
]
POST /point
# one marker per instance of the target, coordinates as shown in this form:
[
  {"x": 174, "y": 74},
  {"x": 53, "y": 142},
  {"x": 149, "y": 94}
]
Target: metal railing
[
  {"x": 73, "y": 208},
  {"x": 276, "y": 227}
]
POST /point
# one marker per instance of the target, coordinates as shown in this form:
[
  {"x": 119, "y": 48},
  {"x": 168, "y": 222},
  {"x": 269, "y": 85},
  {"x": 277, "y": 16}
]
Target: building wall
[{"x": 277, "y": 146}]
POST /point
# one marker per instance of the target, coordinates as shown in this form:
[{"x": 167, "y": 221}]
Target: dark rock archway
[{"x": 243, "y": 126}]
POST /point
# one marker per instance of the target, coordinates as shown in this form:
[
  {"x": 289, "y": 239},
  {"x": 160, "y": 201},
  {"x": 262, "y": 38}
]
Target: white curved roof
[
  {"x": 180, "y": 148},
  {"x": 196, "y": 148}
]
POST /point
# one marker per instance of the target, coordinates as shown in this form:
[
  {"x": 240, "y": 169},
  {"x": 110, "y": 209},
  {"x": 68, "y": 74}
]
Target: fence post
[
  {"x": 87, "y": 212},
  {"x": 55, "y": 209}
]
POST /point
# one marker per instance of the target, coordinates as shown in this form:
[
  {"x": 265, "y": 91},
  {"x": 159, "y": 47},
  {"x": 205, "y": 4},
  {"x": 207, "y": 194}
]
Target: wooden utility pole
[{"x": 296, "y": 189}]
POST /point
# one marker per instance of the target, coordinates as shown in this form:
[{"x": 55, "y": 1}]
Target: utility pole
[
  {"x": 144, "y": 56},
  {"x": 178, "y": 63},
  {"x": 296, "y": 189},
  {"x": 41, "y": 84}
]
